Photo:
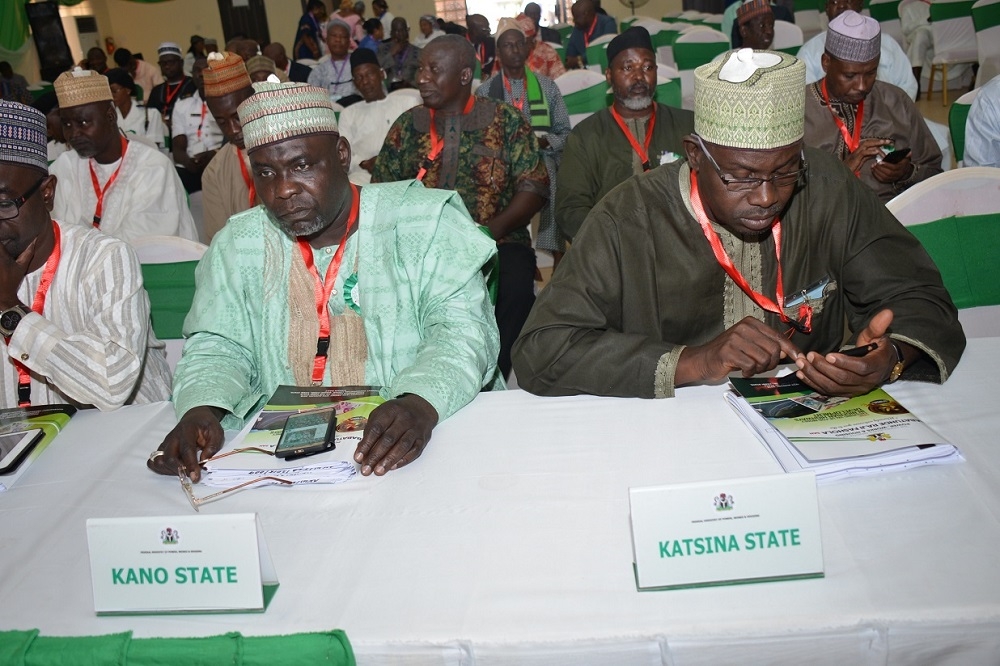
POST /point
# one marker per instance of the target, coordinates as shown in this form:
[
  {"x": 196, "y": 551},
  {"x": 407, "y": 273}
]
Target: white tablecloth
[{"x": 508, "y": 540}]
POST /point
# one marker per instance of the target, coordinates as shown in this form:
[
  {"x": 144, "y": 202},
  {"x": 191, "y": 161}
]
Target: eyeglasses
[
  {"x": 196, "y": 502},
  {"x": 10, "y": 208},
  {"x": 746, "y": 184}
]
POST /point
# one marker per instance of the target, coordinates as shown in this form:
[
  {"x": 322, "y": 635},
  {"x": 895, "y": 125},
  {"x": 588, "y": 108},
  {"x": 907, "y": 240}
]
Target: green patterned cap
[
  {"x": 278, "y": 111},
  {"x": 750, "y": 99}
]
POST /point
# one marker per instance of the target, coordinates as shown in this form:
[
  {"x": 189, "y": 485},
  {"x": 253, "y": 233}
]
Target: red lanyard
[
  {"x": 518, "y": 102},
  {"x": 765, "y": 303},
  {"x": 246, "y": 176},
  {"x": 641, "y": 151},
  {"x": 852, "y": 141},
  {"x": 586, "y": 35},
  {"x": 177, "y": 90},
  {"x": 204, "y": 107},
  {"x": 437, "y": 145},
  {"x": 98, "y": 191},
  {"x": 38, "y": 305},
  {"x": 324, "y": 289}
]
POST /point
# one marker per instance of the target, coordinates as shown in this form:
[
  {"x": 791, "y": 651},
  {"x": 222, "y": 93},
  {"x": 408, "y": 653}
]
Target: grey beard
[{"x": 637, "y": 103}]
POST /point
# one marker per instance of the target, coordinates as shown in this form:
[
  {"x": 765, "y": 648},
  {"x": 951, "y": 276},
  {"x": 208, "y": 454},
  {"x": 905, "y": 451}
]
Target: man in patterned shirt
[
  {"x": 405, "y": 305},
  {"x": 487, "y": 152}
]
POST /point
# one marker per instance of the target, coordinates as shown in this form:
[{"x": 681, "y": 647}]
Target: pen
[{"x": 860, "y": 351}]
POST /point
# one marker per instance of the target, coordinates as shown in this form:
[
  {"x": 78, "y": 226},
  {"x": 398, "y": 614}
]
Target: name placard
[
  {"x": 177, "y": 564},
  {"x": 729, "y": 531}
]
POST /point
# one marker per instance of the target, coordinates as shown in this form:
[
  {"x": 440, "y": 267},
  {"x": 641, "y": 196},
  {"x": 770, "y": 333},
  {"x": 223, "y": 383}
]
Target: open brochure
[
  {"x": 832, "y": 436},
  {"x": 32, "y": 428},
  {"x": 352, "y": 406}
]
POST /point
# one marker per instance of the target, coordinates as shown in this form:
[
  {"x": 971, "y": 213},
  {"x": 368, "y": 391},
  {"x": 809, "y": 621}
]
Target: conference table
[{"x": 508, "y": 541}]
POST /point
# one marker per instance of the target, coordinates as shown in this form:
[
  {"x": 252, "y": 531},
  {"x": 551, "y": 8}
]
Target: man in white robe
[
  {"x": 137, "y": 192},
  {"x": 365, "y": 124},
  {"x": 74, "y": 317}
]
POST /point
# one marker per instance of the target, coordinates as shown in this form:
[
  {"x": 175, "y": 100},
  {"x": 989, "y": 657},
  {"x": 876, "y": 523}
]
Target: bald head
[
  {"x": 454, "y": 48},
  {"x": 583, "y": 12},
  {"x": 276, "y": 52}
]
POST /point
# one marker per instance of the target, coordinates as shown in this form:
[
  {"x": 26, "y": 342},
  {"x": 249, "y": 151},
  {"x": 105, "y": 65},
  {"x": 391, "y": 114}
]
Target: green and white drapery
[{"x": 14, "y": 31}]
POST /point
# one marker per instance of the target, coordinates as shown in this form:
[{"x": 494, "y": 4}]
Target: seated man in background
[
  {"x": 755, "y": 23},
  {"x": 403, "y": 304},
  {"x": 13, "y": 87},
  {"x": 260, "y": 67},
  {"x": 399, "y": 58},
  {"x": 176, "y": 85},
  {"x": 334, "y": 74},
  {"x": 538, "y": 99},
  {"x": 124, "y": 188},
  {"x": 366, "y": 123},
  {"x": 295, "y": 71},
  {"x": 145, "y": 75},
  {"x": 227, "y": 184},
  {"x": 136, "y": 120},
  {"x": 542, "y": 57},
  {"x": 893, "y": 65},
  {"x": 634, "y": 134},
  {"x": 752, "y": 252},
  {"x": 74, "y": 317},
  {"x": 859, "y": 119},
  {"x": 533, "y": 11},
  {"x": 982, "y": 128},
  {"x": 485, "y": 45},
  {"x": 196, "y": 136},
  {"x": 588, "y": 25},
  {"x": 489, "y": 155}
]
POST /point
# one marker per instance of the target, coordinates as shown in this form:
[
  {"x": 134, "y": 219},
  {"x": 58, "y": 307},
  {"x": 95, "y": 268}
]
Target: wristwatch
[
  {"x": 894, "y": 374},
  {"x": 10, "y": 318}
]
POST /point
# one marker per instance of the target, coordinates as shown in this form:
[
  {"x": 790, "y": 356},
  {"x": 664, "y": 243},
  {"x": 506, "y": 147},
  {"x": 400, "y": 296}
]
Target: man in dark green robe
[{"x": 641, "y": 303}]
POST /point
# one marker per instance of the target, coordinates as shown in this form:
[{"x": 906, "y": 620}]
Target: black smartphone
[
  {"x": 896, "y": 156},
  {"x": 307, "y": 434},
  {"x": 860, "y": 351}
]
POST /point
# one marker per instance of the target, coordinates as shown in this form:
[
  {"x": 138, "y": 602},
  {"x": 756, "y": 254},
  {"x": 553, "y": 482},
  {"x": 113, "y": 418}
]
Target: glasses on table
[
  {"x": 733, "y": 184},
  {"x": 10, "y": 208},
  {"x": 196, "y": 502}
]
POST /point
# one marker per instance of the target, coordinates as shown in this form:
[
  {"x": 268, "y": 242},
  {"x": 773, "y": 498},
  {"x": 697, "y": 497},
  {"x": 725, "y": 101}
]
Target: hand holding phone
[{"x": 897, "y": 156}]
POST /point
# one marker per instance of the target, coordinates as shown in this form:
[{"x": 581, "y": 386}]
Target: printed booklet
[{"x": 832, "y": 436}]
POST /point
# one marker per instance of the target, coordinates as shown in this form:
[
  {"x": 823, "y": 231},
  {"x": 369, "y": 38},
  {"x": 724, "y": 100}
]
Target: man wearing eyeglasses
[
  {"x": 74, "y": 318},
  {"x": 754, "y": 252}
]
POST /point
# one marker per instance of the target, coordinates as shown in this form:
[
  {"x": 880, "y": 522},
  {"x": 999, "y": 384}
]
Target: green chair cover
[
  {"x": 27, "y": 648},
  {"x": 986, "y": 17},
  {"x": 689, "y": 55},
  {"x": 885, "y": 11},
  {"x": 957, "y": 116},
  {"x": 588, "y": 100},
  {"x": 969, "y": 266},
  {"x": 597, "y": 54},
  {"x": 171, "y": 290},
  {"x": 565, "y": 31},
  {"x": 139, "y": 94},
  {"x": 669, "y": 93},
  {"x": 664, "y": 38},
  {"x": 943, "y": 11}
]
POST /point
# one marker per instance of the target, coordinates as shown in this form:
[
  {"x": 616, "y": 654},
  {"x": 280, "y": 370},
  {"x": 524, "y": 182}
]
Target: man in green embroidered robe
[
  {"x": 642, "y": 303},
  {"x": 408, "y": 308}
]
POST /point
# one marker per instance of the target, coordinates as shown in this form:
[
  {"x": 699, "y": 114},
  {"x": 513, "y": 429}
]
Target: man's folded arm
[{"x": 101, "y": 365}]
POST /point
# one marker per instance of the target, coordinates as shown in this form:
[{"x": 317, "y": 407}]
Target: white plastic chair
[
  {"x": 954, "y": 41},
  {"x": 961, "y": 192},
  {"x": 168, "y": 250},
  {"x": 808, "y": 21},
  {"x": 787, "y": 37}
]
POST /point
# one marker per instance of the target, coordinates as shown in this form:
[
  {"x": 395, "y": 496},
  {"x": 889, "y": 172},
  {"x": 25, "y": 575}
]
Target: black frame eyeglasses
[
  {"x": 734, "y": 184},
  {"x": 10, "y": 208}
]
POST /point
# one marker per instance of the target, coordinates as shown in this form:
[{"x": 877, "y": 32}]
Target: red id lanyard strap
[
  {"x": 643, "y": 150},
  {"x": 437, "y": 144},
  {"x": 204, "y": 109},
  {"x": 324, "y": 289},
  {"x": 177, "y": 89},
  {"x": 246, "y": 176},
  {"x": 765, "y": 303},
  {"x": 586, "y": 35},
  {"x": 516, "y": 101},
  {"x": 854, "y": 141},
  {"x": 38, "y": 305},
  {"x": 100, "y": 192}
]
